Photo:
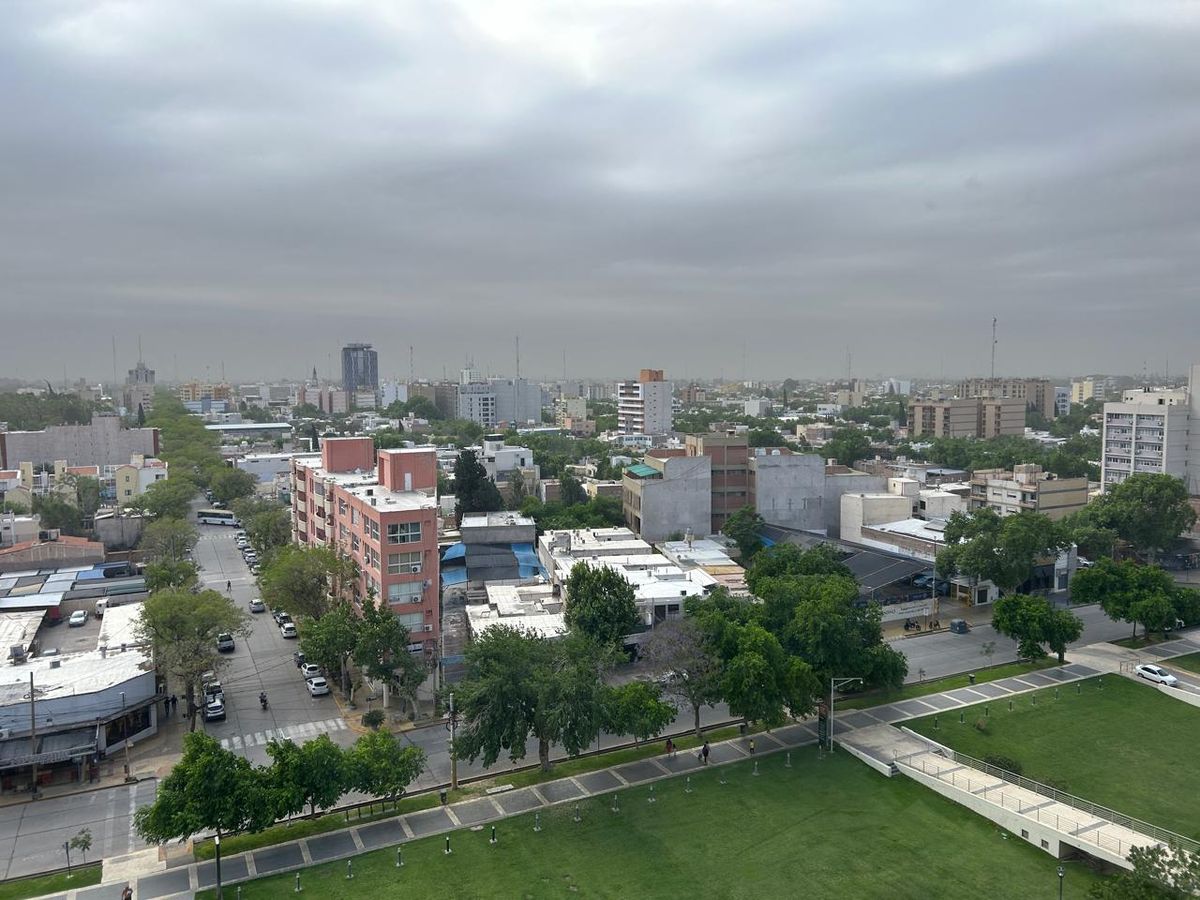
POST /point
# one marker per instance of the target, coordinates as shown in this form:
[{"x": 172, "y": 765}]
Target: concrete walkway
[{"x": 185, "y": 877}]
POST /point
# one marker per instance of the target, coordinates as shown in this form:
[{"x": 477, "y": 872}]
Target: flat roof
[
  {"x": 18, "y": 628},
  {"x": 494, "y": 520},
  {"x": 74, "y": 674},
  {"x": 383, "y": 499},
  {"x": 249, "y": 426}
]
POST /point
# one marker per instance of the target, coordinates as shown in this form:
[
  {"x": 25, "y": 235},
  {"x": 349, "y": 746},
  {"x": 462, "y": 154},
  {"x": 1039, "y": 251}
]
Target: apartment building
[
  {"x": 730, "y": 455},
  {"x": 1148, "y": 431},
  {"x": 645, "y": 406},
  {"x": 379, "y": 509},
  {"x": 1027, "y": 487},
  {"x": 103, "y": 442},
  {"x": 969, "y": 417},
  {"x": 360, "y": 369},
  {"x": 1038, "y": 393},
  {"x": 668, "y": 493},
  {"x": 1083, "y": 391}
]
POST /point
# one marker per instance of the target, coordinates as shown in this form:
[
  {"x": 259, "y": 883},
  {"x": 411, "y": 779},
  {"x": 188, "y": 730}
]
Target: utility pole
[
  {"x": 32, "y": 737},
  {"x": 453, "y": 749}
]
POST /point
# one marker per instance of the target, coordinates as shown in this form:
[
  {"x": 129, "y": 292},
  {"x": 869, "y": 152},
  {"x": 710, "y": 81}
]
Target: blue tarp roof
[
  {"x": 454, "y": 576},
  {"x": 455, "y": 551}
]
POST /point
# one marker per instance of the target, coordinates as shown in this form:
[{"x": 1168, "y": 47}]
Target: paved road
[
  {"x": 261, "y": 662},
  {"x": 32, "y": 834},
  {"x": 949, "y": 654}
]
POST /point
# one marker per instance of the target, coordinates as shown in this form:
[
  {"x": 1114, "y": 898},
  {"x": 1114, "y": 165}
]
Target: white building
[
  {"x": 267, "y": 466},
  {"x": 477, "y": 403},
  {"x": 533, "y": 608},
  {"x": 392, "y": 392},
  {"x": 645, "y": 406},
  {"x": 1148, "y": 431},
  {"x": 501, "y": 460}
]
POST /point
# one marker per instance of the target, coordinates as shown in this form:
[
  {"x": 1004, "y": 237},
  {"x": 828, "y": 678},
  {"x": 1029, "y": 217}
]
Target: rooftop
[
  {"x": 530, "y": 607},
  {"x": 494, "y": 520},
  {"x": 381, "y": 498},
  {"x": 71, "y": 675},
  {"x": 249, "y": 426}
]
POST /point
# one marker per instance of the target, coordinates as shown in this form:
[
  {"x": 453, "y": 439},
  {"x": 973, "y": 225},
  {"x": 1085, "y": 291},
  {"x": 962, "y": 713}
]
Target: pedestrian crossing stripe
[{"x": 301, "y": 732}]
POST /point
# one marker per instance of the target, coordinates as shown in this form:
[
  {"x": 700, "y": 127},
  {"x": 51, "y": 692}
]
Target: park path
[{"x": 165, "y": 882}]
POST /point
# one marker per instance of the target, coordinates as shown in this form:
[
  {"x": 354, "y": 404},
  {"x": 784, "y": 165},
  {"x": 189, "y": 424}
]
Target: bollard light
[
  {"x": 537, "y": 821},
  {"x": 448, "y": 850},
  {"x": 755, "y": 767},
  {"x": 399, "y": 858},
  {"x": 787, "y": 760},
  {"x": 615, "y": 807},
  {"x": 493, "y": 840},
  {"x": 652, "y": 797},
  {"x": 577, "y": 819},
  {"x": 298, "y": 888},
  {"x": 349, "y": 868},
  {"x": 687, "y": 784}
]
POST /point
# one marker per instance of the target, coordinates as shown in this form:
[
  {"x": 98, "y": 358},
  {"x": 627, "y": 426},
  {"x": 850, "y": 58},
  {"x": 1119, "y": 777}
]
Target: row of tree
[{"x": 212, "y": 788}]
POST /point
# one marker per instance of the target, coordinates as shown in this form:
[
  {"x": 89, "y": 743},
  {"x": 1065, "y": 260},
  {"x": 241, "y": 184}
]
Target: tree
[
  {"x": 380, "y": 766},
  {"x": 1155, "y": 612},
  {"x": 516, "y": 485},
  {"x": 571, "y": 491},
  {"x": 985, "y": 546},
  {"x": 170, "y": 573},
  {"x": 688, "y": 669},
  {"x": 209, "y": 788},
  {"x": 1032, "y": 621},
  {"x": 1149, "y": 511},
  {"x": 82, "y": 841},
  {"x": 231, "y": 484},
  {"x": 311, "y": 774},
  {"x": 745, "y": 527},
  {"x": 270, "y": 529},
  {"x": 600, "y": 604},
  {"x": 305, "y": 580},
  {"x": 847, "y": 446},
  {"x": 473, "y": 490},
  {"x": 788, "y": 559},
  {"x": 329, "y": 640},
  {"x": 169, "y": 498},
  {"x": 168, "y": 540},
  {"x": 637, "y": 709},
  {"x": 86, "y": 494},
  {"x": 1159, "y": 873},
  {"x": 1125, "y": 590},
  {"x": 181, "y": 628},
  {"x": 381, "y": 652},
  {"x": 521, "y": 685},
  {"x": 763, "y": 684},
  {"x": 55, "y": 512}
]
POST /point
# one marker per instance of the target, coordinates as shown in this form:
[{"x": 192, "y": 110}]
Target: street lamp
[
  {"x": 217, "y": 842},
  {"x": 834, "y": 684},
  {"x": 1061, "y": 875}
]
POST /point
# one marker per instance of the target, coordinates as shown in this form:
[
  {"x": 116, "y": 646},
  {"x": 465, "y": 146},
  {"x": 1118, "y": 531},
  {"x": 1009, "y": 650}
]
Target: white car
[
  {"x": 310, "y": 670},
  {"x": 257, "y": 606},
  {"x": 1156, "y": 674},
  {"x": 214, "y": 710},
  {"x": 317, "y": 686},
  {"x": 78, "y": 618},
  {"x": 288, "y": 630}
]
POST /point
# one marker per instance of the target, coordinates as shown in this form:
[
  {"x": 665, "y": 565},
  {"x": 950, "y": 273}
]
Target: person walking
[
  {"x": 670, "y": 749},
  {"x": 751, "y": 746},
  {"x": 704, "y": 753},
  {"x": 174, "y": 704}
]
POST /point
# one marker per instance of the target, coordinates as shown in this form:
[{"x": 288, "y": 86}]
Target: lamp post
[
  {"x": 1062, "y": 873},
  {"x": 834, "y": 684},
  {"x": 217, "y": 842}
]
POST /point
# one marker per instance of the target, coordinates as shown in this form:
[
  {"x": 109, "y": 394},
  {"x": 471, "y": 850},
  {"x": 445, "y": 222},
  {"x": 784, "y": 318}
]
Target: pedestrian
[
  {"x": 174, "y": 703},
  {"x": 704, "y": 752},
  {"x": 166, "y": 706},
  {"x": 751, "y": 746},
  {"x": 670, "y": 749},
  {"x": 127, "y": 894}
]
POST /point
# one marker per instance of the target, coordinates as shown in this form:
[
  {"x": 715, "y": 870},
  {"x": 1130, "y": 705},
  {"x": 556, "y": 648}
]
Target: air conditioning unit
[
  {"x": 429, "y": 628},
  {"x": 4, "y": 733},
  {"x": 416, "y": 569}
]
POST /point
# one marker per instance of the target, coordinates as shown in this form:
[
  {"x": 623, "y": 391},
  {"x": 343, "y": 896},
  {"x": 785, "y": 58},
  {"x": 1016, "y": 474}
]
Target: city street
[
  {"x": 260, "y": 662},
  {"x": 32, "y": 834}
]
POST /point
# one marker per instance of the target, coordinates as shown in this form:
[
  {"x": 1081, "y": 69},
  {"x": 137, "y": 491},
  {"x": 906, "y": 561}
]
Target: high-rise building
[
  {"x": 730, "y": 454},
  {"x": 644, "y": 406},
  {"x": 360, "y": 368},
  {"x": 976, "y": 417},
  {"x": 1148, "y": 431},
  {"x": 1038, "y": 393},
  {"x": 139, "y": 389}
]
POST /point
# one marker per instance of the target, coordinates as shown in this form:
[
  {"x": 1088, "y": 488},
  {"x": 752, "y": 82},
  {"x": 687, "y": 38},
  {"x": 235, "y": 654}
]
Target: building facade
[
  {"x": 103, "y": 442},
  {"x": 966, "y": 417},
  {"x": 360, "y": 368},
  {"x": 645, "y": 406},
  {"x": 379, "y": 509},
  {"x": 730, "y": 472},
  {"x": 1037, "y": 393},
  {"x": 1027, "y": 488},
  {"x": 668, "y": 493}
]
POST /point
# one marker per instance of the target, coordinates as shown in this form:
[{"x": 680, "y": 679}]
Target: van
[{"x": 101, "y": 605}]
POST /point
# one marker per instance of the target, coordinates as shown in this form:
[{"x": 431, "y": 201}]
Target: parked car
[
  {"x": 225, "y": 643},
  {"x": 254, "y": 568},
  {"x": 257, "y": 606},
  {"x": 288, "y": 630},
  {"x": 310, "y": 670},
  {"x": 317, "y": 686},
  {"x": 299, "y": 659},
  {"x": 1156, "y": 674},
  {"x": 214, "y": 710},
  {"x": 280, "y": 616},
  {"x": 78, "y": 618}
]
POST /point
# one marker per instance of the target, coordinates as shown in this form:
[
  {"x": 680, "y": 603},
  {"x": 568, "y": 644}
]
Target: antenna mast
[{"x": 993, "y": 348}]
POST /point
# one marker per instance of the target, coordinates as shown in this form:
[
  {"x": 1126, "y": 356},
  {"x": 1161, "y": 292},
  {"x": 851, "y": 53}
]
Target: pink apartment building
[{"x": 381, "y": 511}]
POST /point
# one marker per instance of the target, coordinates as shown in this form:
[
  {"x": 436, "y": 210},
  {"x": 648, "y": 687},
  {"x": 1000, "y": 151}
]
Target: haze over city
[{"x": 254, "y": 184}]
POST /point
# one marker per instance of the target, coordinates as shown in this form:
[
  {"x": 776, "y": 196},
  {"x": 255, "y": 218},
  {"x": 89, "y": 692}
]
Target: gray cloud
[{"x": 653, "y": 185}]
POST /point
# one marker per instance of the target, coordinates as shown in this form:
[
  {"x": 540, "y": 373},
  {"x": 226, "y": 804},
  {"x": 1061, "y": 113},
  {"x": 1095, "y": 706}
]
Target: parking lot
[{"x": 260, "y": 662}]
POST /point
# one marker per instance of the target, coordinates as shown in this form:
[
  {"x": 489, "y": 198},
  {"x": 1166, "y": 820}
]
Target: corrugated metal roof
[{"x": 641, "y": 470}]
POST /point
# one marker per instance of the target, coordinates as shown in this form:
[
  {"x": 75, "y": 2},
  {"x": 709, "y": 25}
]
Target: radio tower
[{"x": 993, "y": 378}]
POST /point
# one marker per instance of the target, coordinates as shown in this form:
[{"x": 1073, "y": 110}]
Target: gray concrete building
[
  {"x": 668, "y": 494},
  {"x": 102, "y": 443}
]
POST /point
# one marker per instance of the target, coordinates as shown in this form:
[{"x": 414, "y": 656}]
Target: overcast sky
[{"x": 678, "y": 185}]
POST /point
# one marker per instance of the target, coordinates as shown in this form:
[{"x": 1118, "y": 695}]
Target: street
[
  {"x": 945, "y": 653},
  {"x": 32, "y": 833},
  {"x": 260, "y": 662}
]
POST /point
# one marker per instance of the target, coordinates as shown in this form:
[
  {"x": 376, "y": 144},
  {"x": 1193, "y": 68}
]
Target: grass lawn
[
  {"x": 1125, "y": 746},
  {"x": 1191, "y": 662},
  {"x": 824, "y": 828},
  {"x": 1137, "y": 643},
  {"x": 949, "y": 683},
  {"x": 19, "y": 888}
]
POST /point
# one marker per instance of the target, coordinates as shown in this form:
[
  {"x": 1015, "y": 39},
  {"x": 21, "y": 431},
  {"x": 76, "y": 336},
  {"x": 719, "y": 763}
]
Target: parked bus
[{"x": 217, "y": 517}]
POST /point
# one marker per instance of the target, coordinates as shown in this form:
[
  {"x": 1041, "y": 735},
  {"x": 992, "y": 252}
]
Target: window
[
  {"x": 411, "y": 621},
  {"x": 341, "y": 507},
  {"x": 402, "y": 563},
  {"x": 373, "y": 528},
  {"x": 343, "y": 532},
  {"x": 353, "y": 515},
  {"x": 354, "y": 542},
  {"x": 404, "y": 533},
  {"x": 372, "y": 557},
  {"x": 128, "y": 492},
  {"x": 406, "y": 593}
]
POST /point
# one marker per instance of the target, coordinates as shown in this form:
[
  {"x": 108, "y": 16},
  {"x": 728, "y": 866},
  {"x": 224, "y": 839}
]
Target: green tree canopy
[
  {"x": 312, "y": 774},
  {"x": 763, "y": 684},
  {"x": 637, "y": 709},
  {"x": 381, "y": 652},
  {"x": 329, "y": 640},
  {"x": 600, "y": 604},
  {"x": 1148, "y": 510},
  {"x": 847, "y": 445},
  {"x": 690, "y": 672},
  {"x": 745, "y": 527},
  {"x": 231, "y": 484},
  {"x": 379, "y": 765},
  {"x": 306, "y": 581},
  {"x": 170, "y": 498},
  {"x": 473, "y": 490},
  {"x": 168, "y": 540},
  {"x": 1032, "y": 622},
  {"x": 983, "y": 545},
  {"x": 1127, "y": 591},
  {"x": 209, "y": 788}
]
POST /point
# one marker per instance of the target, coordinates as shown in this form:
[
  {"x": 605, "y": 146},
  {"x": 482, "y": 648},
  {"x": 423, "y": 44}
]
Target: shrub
[
  {"x": 1004, "y": 762},
  {"x": 981, "y": 725},
  {"x": 373, "y": 718}
]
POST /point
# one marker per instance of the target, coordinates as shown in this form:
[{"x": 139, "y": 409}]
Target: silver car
[{"x": 1156, "y": 674}]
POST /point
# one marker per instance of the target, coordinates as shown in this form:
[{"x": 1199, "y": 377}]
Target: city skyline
[{"x": 684, "y": 187}]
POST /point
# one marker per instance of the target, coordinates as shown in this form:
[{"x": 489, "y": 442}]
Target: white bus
[{"x": 217, "y": 517}]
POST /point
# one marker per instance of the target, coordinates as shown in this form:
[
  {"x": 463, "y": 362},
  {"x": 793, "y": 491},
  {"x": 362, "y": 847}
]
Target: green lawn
[
  {"x": 824, "y": 828},
  {"x": 949, "y": 683},
  {"x": 1191, "y": 662},
  {"x": 19, "y": 888},
  {"x": 1125, "y": 746}
]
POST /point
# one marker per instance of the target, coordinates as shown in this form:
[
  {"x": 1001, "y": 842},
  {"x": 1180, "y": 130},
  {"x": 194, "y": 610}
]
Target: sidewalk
[{"x": 184, "y": 877}]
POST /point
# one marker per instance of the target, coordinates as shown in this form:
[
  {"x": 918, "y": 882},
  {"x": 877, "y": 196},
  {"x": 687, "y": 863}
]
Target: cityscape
[{"x": 625, "y": 451}]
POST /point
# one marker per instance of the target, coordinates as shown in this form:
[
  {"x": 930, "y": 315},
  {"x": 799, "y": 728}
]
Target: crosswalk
[{"x": 298, "y": 733}]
